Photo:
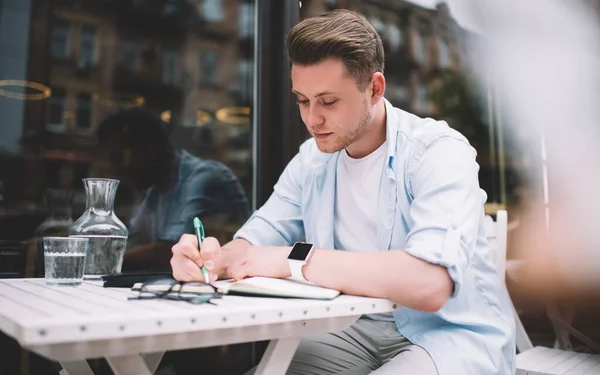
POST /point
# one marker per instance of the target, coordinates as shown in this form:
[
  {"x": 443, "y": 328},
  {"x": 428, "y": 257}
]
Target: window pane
[
  {"x": 164, "y": 108},
  {"x": 88, "y": 46},
  {"x": 60, "y": 39},
  {"x": 56, "y": 110}
]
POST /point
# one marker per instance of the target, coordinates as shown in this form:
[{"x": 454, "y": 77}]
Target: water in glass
[{"x": 64, "y": 259}]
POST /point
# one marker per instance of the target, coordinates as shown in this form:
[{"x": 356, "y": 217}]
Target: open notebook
[{"x": 257, "y": 286}]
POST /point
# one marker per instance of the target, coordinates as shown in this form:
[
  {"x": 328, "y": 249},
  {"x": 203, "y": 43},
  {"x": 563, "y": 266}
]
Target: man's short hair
[{"x": 342, "y": 34}]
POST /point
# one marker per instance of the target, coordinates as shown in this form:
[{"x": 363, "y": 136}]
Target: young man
[{"x": 392, "y": 204}]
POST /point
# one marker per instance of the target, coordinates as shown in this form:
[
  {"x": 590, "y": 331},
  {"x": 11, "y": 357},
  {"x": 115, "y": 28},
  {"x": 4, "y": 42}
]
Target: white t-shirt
[{"x": 356, "y": 197}]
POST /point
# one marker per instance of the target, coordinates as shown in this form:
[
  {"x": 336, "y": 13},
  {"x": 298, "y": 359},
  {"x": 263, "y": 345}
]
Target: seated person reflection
[{"x": 175, "y": 185}]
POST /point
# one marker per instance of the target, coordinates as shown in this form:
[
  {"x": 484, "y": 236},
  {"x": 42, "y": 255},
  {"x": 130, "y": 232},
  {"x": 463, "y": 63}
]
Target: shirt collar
[
  {"x": 391, "y": 127},
  {"x": 320, "y": 160}
]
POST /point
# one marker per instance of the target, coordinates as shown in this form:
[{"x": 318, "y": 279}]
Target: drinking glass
[{"x": 64, "y": 258}]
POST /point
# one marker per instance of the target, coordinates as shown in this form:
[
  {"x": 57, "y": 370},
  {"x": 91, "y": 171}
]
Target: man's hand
[
  {"x": 187, "y": 259},
  {"x": 261, "y": 261}
]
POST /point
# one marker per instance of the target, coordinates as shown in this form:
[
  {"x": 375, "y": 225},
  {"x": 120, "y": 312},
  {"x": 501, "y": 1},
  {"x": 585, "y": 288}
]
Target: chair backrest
[{"x": 496, "y": 235}]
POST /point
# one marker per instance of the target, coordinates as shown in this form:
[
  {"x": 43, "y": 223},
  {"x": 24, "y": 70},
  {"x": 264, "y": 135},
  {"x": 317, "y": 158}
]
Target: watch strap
[{"x": 296, "y": 270}]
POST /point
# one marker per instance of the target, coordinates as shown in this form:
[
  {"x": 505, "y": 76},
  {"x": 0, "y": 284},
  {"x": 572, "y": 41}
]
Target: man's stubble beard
[{"x": 357, "y": 131}]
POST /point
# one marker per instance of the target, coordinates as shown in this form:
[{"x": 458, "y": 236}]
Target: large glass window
[
  {"x": 157, "y": 94},
  {"x": 146, "y": 92}
]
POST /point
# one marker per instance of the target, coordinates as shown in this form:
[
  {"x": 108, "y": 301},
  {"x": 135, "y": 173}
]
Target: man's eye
[
  {"x": 329, "y": 104},
  {"x": 302, "y": 102}
]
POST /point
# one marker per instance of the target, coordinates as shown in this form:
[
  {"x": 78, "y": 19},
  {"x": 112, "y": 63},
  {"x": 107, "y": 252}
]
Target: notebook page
[{"x": 282, "y": 287}]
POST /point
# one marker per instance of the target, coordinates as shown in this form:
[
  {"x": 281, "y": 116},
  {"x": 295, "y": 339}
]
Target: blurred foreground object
[{"x": 543, "y": 60}]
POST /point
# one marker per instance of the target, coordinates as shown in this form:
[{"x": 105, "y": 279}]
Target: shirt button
[{"x": 454, "y": 226}]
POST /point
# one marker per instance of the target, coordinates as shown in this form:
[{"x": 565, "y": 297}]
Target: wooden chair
[{"x": 534, "y": 360}]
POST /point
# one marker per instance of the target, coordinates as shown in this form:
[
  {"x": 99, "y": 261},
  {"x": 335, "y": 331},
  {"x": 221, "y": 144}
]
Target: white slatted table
[{"x": 71, "y": 324}]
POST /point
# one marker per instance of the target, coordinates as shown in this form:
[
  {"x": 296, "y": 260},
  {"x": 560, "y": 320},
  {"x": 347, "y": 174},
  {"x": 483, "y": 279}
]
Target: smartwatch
[{"x": 298, "y": 257}]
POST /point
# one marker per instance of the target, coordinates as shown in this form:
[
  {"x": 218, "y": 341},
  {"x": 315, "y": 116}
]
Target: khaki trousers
[{"x": 367, "y": 347}]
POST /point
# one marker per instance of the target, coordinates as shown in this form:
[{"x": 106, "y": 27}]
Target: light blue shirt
[{"x": 431, "y": 206}]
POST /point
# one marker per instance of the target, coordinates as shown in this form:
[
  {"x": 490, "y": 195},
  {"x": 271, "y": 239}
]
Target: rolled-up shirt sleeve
[
  {"x": 279, "y": 221},
  {"x": 447, "y": 205}
]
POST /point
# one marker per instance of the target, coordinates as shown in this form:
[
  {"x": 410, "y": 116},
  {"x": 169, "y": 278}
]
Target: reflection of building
[
  {"x": 419, "y": 44},
  {"x": 174, "y": 57}
]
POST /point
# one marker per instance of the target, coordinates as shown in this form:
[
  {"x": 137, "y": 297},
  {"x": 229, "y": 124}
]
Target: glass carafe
[{"x": 107, "y": 234}]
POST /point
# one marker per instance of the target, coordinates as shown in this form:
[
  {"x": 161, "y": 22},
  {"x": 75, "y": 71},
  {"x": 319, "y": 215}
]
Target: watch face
[{"x": 300, "y": 251}]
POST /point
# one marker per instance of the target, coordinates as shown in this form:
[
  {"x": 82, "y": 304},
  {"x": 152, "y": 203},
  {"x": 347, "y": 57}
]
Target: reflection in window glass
[
  {"x": 52, "y": 174},
  {"x": 142, "y": 114},
  {"x": 60, "y": 39},
  {"x": 398, "y": 94},
  {"x": 244, "y": 83},
  {"x": 422, "y": 106},
  {"x": 88, "y": 46},
  {"x": 213, "y": 10},
  {"x": 170, "y": 7},
  {"x": 420, "y": 46},
  {"x": 169, "y": 67},
  {"x": 129, "y": 55},
  {"x": 393, "y": 35},
  {"x": 444, "y": 54},
  {"x": 378, "y": 25},
  {"x": 56, "y": 110},
  {"x": 245, "y": 20},
  {"x": 84, "y": 111},
  {"x": 209, "y": 67}
]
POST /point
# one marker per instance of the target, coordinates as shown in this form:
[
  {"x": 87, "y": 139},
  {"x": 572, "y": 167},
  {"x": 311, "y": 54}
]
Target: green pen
[{"x": 199, "y": 229}]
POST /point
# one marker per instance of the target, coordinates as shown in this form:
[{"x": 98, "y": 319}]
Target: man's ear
[{"x": 377, "y": 87}]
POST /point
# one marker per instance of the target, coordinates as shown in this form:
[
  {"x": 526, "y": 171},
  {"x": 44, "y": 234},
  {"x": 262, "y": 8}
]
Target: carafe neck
[{"x": 100, "y": 195}]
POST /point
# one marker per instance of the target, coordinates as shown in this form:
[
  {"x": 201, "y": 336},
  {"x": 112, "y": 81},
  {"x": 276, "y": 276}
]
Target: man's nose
[{"x": 313, "y": 116}]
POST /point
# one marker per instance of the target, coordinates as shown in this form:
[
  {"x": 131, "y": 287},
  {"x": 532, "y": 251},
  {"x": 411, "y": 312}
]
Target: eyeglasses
[{"x": 195, "y": 292}]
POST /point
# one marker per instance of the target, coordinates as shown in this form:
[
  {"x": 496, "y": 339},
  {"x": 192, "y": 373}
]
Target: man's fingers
[
  {"x": 210, "y": 252},
  {"x": 185, "y": 269},
  {"x": 187, "y": 260},
  {"x": 188, "y": 247}
]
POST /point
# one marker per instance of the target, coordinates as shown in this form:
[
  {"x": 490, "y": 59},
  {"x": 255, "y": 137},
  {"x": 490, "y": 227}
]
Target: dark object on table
[{"x": 128, "y": 279}]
